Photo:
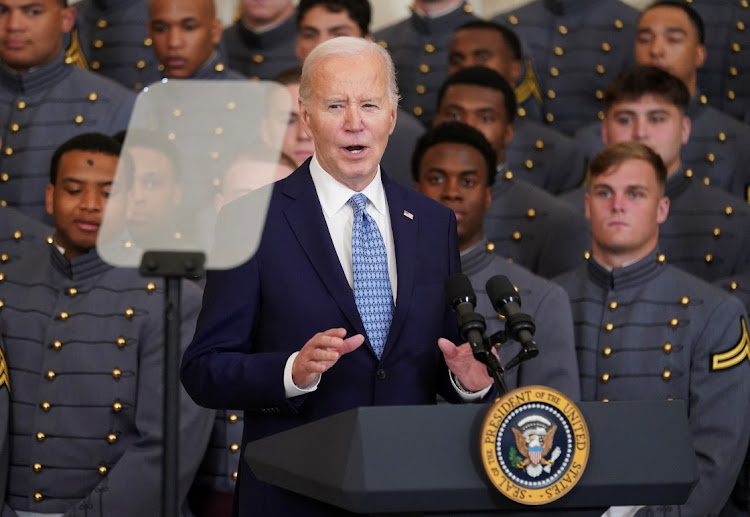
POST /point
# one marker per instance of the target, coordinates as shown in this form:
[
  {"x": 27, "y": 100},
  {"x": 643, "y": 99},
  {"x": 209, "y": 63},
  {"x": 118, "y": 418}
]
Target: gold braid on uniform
[
  {"x": 74, "y": 54},
  {"x": 736, "y": 355},
  {"x": 529, "y": 86},
  {"x": 4, "y": 377}
]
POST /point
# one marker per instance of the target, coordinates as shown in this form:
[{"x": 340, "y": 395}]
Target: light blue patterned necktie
[{"x": 372, "y": 284}]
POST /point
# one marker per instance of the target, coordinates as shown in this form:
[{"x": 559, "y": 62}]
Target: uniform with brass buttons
[{"x": 20, "y": 235}]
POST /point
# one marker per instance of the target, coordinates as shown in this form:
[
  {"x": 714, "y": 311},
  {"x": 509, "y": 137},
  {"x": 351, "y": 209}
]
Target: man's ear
[{"x": 49, "y": 195}]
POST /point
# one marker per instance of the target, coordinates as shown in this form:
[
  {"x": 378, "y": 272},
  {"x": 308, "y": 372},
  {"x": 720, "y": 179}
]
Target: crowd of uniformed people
[{"x": 499, "y": 120}]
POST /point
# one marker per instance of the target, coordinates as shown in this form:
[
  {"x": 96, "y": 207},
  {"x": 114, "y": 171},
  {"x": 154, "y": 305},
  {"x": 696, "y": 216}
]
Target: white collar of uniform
[{"x": 334, "y": 196}]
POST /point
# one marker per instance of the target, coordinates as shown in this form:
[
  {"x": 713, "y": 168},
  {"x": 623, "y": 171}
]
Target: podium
[{"x": 425, "y": 459}]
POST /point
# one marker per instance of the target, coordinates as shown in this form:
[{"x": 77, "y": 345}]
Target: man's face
[
  {"x": 77, "y": 199},
  {"x": 625, "y": 206},
  {"x": 483, "y": 47},
  {"x": 349, "y": 116},
  {"x": 185, "y": 34},
  {"x": 286, "y": 127},
  {"x": 665, "y": 38},
  {"x": 480, "y": 107},
  {"x": 319, "y": 25},
  {"x": 246, "y": 175},
  {"x": 456, "y": 175},
  {"x": 31, "y": 31},
  {"x": 652, "y": 121},
  {"x": 153, "y": 196},
  {"x": 258, "y": 13}
]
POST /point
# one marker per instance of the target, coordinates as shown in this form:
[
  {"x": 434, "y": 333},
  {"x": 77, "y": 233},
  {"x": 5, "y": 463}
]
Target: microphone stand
[{"x": 483, "y": 353}]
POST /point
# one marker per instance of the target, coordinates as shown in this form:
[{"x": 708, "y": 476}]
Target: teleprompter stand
[{"x": 173, "y": 266}]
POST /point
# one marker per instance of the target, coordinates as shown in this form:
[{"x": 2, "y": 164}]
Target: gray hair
[{"x": 346, "y": 46}]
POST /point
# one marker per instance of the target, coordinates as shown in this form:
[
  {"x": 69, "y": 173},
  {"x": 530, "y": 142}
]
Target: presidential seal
[{"x": 534, "y": 445}]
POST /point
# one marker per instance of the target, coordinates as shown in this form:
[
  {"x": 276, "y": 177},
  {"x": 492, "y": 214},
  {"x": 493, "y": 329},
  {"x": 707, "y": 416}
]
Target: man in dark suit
[{"x": 286, "y": 336}]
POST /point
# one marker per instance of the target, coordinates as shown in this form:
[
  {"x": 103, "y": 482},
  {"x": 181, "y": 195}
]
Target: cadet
[
  {"x": 578, "y": 47},
  {"x": 185, "y": 35},
  {"x": 43, "y": 101},
  {"x": 84, "y": 343},
  {"x": 286, "y": 127},
  {"x": 455, "y": 165},
  {"x": 646, "y": 330},
  {"x": 419, "y": 47},
  {"x": 321, "y": 20},
  {"x": 717, "y": 148},
  {"x": 525, "y": 223},
  {"x": 260, "y": 44},
  {"x": 706, "y": 233},
  {"x": 112, "y": 40},
  {"x": 20, "y": 235},
  {"x": 537, "y": 151}
]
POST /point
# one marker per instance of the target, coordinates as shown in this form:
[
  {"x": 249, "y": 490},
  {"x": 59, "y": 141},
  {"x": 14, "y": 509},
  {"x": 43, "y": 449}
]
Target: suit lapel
[{"x": 305, "y": 216}]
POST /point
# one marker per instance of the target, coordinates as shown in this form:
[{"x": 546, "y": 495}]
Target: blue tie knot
[{"x": 358, "y": 202}]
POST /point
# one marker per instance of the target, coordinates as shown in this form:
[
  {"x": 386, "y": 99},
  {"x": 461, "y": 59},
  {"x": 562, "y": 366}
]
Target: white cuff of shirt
[
  {"x": 291, "y": 389},
  {"x": 467, "y": 396}
]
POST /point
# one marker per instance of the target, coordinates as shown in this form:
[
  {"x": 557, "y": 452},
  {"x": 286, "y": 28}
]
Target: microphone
[
  {"x": 507, "y": 302},
  {"x": 471, "y": 325}
]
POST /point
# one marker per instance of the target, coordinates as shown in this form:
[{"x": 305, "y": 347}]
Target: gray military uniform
[
  {"x": 534, "y": 228},
  {"x": 706, "y": 232},
  {"x": 717, "y": 148},
  {"x": 261, "y": 55},
  {"x": 84, "y": 343},
  {"x": 20, "y": 235},
  {"x": 216, "y": 69},
  {"x": 41, "y": 109},
  {"x": 578, "y": 47},
  {"x": 114, "y": 39},
  {"x": 547, "y": 303},
  {"x": 651, "y": 331},
  {"x": 419, "y": 47},
  {"x": 401, "y": 144},
  {"x": 545, "y": 158}
]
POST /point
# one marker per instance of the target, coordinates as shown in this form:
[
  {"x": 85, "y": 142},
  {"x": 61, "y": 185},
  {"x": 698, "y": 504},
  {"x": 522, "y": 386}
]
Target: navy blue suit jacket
[{"x": 256, "y": 315}]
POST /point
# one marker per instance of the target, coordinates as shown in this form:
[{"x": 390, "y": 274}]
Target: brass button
[
  {"x": 516, "y": 236},
  {"x": 711, "y": 157},
  {"x": 103, "y": 470},
  {"x": 219, "y": 131},
  {"x": 539, "y": 145},
  {"x": 111, "y": 438},
  {"x": 607, "y": 352},
  {"x": 733, "y": 71},
  {"x": 21, "y": 105},
  {"x": 140, "y": 65},
  {"x": 64, "y": 316},
  {"x": 731, "y": 95},
  {"x": 57, "y": 345},
  {"x": 618, "y": 24},
  {"x": 38, "y": 497},
  {"x": 722, "y": 137},
  {"x": 490, "y": 247},
  {"x": 150, "y": 287},
  {"x": 95, "y": 65},
  {"x": 508, "y": 175},
  {"x": 521, "y": 112},
  {"x": 233, "y": 418},
  {"x": 685, "y": 301},
  {"x": 120, "y": 342},
  {"x": 666, "y": 375},
  {"x": 50, "y": 240},
  {"x": 17, "y": 235},
  {"x": 689, "y": 173},
  {"x": 609, "y": 327},
  {"x": 709, "y": 258},
  {"x": 550, "y": 117},
  {"x": 418, "y": 111},
  {"x": 562, "y": 29},
  {"x": 78, "y": 119},
  {"x": 72, "y": 291},
  {"x": 559, "y": 51},
  {"x": 4, "y": 177},
  {"x": 529, "y": 164},
  {"x": 733, "y": 286},
  {"x": 554, "y": 72},
  {"x": 148, "y": 42},
  {"x": 129, "y": 313},
  {"x": 468, "y": 8},
  {"x": 716, "y": 232},
  {"x": 14, "y": 128},
  {"x": 234, "y": 475},
  {"x": 234, "y": 447},
  {"x": 257, "y": 58},
  {"x": 46, "y": 406},
  {"x": 744, "y": 4},
  {"x": 102, "y": 24},
  {"x": 728, "y": 210},
  {"x": 551, "y": 94},
  {"x": 703, "y": 99},
  {"x": 8, "y": 151},
  {"x": 98, "y": 43},
  {"x": 116, "y": 373},
  {"x": 116, "y": 407},
  {"x": 40, "y": 437},
  {"x": 513, "y": 20},
  {"x": 219, "y": 67},
  {"x": 51, "y": 375},
  {"x": 605, "y": 400},
  {"x": 37, "y": 467},
  {"x": 606, "y": 47},
  {"x": 612, "y": 306},
  {"x": 4, "y": 257},
  {"x": 429, "y": 48},
  {"x": 605, "y": 377},
  {"x": 93, "y": 96},
  {"x": 424, "y": 68},
  {"x": 674, "y": 322},
  {"x": 661, "y": 258},
  {"x": 421, "y": 89},
  {"x": 600, "y": 115},
  {"x": 599, "y": 69},
  {"x": 177, "y": 112},
  {"x": 736, "y": 47},
  {"x": 667, "y": 348},
  {"x": 599, "y": 94}
]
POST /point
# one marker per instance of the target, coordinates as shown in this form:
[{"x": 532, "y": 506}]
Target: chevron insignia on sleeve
[
  {"x": 736, "y": 355},
  {"x": 4, "y": 377}
]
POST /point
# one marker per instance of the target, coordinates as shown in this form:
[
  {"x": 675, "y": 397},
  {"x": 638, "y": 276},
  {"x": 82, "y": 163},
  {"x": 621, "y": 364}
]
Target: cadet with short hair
[
  {"x": 646, "y": 330},
  {"x": 455, "y": 165},
  {"x": 84, "y": 342}
]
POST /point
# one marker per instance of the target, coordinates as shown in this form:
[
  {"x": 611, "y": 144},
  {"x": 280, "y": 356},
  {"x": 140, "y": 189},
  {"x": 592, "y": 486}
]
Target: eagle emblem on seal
[{"x": 534, "y": 436}]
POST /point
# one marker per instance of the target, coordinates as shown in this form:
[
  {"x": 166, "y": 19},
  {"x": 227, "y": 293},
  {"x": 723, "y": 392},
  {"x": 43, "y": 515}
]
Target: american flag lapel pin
[{"x": 408, "y": 215}]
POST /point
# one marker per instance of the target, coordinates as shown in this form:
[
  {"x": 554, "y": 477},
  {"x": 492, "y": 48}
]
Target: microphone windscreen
[
  {"x": 458, "y": 287},
  {"x": 501, "y": 291}
]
